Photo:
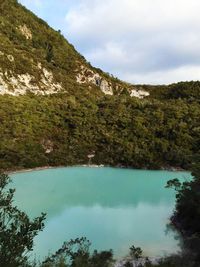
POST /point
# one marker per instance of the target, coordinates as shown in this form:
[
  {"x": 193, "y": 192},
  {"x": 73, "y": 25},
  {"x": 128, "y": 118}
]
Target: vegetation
[
  {"x": 17, "y": 231},
  {"x": 44, "y": 46},
  {"x": 122, "y": 131},
  {"x": 187, "y": 215},
  {"x": 186, "y": 220},
  {"x": 159, "y": 131},
  {"x": 76, "y": 253}
]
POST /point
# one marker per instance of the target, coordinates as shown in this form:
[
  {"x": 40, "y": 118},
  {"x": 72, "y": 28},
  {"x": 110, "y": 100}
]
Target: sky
[{"x": 139, "y": 41}]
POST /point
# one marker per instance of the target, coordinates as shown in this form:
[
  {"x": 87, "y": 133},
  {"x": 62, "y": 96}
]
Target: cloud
[
  {"x": 183, "y": 73},
  {"x": 151, "y": 41},
  {"x": 139, "y": 39}
]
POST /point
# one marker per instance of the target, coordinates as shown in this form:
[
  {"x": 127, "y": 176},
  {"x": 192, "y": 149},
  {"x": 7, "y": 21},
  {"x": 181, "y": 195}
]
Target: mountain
[
  {"x": 56, "y": 109},
  {"x": 38, "y": 59}
]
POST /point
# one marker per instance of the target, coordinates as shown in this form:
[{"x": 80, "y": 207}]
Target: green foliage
[
  {"x": 46, "y": 46},
  {"x": 76, "y": 253},
  {"x": 135, "y": 252},
  {"x": 147, "y": 133},
  {"x": 175, "y": 183},
  {"x": 159, "y": 131},
  {"x": 16, "y": 229},
  {"x": 187, "y": 212},
  {"x": 187, "y": 215},
  {"x": 50, "y": 54},
  {"x": 122, "y": 131}
]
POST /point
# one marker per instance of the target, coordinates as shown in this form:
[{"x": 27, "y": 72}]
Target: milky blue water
[{"x": 114, "y": 208}]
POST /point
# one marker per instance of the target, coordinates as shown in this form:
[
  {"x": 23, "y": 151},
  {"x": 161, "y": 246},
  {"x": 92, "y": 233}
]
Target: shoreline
[
  {"x": 15, "y": 171},
  {"x": 52, "y": 167},
  {"x": 119, "y": 261}
]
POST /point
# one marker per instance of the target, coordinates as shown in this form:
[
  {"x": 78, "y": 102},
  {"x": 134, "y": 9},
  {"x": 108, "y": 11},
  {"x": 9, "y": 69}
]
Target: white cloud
[
  {"x": 151, "y": 41},
  {"x": 183, "y": 73}
]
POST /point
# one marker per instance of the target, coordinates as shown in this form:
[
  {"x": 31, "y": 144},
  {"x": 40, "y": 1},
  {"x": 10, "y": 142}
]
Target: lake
[{"x": 114, "y": 208}]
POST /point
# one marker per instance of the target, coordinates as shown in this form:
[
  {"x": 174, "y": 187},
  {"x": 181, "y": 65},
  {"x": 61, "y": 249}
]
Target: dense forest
[{"x": 60, "y": 130}]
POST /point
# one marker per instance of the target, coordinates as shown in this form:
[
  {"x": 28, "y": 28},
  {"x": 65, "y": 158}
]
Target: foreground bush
[{"x": 17, "y": 231}]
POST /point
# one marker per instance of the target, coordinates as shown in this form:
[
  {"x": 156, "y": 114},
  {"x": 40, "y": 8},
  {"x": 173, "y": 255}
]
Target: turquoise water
[{"x": 114, "y": 208}]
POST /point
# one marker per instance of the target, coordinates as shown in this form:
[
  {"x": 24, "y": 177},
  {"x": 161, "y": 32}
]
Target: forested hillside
[
  {"x": 56, "y": 109},
  {"x": 63, "y": 130}
]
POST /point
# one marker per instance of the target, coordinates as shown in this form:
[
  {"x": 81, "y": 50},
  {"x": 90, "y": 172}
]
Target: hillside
[
  {"x": 36, "y": 58},
  {"x": 56, "y": 109}
]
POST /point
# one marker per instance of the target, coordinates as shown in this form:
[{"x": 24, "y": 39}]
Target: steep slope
[{"x": 36, "y": 58}]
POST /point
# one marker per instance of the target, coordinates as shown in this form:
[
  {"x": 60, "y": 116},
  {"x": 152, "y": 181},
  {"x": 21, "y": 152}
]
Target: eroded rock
[
  {"x": 139, "y": 93},
  {"x": 86, "y": 75},
  {"x": 26, "y": 32},
  {"x": 21, "y": 84}
]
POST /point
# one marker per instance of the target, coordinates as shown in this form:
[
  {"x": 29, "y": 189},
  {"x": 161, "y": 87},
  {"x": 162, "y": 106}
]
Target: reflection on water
[{"x": 113, "y": 208}]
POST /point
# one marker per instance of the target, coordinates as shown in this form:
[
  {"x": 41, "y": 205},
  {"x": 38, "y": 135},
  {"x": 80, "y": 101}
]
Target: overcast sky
[{"x": 140, "y": 41}]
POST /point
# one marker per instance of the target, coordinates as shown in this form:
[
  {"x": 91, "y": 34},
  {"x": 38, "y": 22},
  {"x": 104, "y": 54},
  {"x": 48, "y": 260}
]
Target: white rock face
[
  {"x": 13, "y": 84},
  {"x": 26, "y": 32},
  {"x": 106, "y": 88},
  {"x": 86, "y": 75},
  {"x": 139, "y": 93},
  {"x": 21, "y": 84}
]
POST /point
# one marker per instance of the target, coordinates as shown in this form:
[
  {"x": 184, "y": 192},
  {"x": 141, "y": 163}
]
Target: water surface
[{"x": 114, "y": 208}]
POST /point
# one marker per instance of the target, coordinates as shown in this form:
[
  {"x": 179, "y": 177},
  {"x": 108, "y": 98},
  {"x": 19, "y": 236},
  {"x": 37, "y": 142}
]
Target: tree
[
  {"x": 135, "y": 252},
  {"x": 49, "y": 52},
  {"x": 17, "y": 231},
  {"x": 135, "y": 256},
  {"x": 187, "y": 214},
  {"x": 76, "y": 253}
]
